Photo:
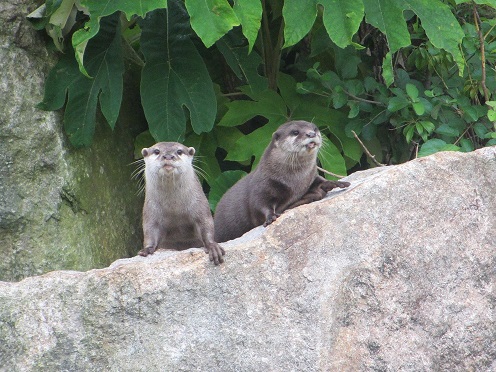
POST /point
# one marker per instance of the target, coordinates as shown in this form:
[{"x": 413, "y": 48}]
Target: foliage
[{"x": 410, "y": 77}]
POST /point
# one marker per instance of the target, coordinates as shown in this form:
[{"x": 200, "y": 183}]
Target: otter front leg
[
  {"x": 270, "y": 216},
  {"x": 214, "y": 250},
  {"x": 150, "y": 249},
  {"x": 318, "y": 190}
]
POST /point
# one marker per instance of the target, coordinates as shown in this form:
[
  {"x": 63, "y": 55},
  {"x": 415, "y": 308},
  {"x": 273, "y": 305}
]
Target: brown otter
[
  {"x": 176, "y": 214},
  {"x": 286, "y": 177}
]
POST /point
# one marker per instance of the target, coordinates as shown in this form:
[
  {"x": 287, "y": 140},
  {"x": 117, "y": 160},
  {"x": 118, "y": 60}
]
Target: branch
[
  {"x": 367, "y": 151},
  {"x": 332, "y": 174},
  {"x": 477, "y": 22}
]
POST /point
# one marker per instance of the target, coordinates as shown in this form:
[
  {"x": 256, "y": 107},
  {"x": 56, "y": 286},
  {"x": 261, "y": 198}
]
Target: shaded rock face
[
  {"x": 60, "y": 208},
  {"x": 395, "y": 273}
]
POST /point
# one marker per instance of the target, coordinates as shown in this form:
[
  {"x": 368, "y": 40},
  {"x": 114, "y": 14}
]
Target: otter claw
[
  {"x": 271, "y": 219},
  {"x": 146, "y": 251},
  {"x": 215, "y": 253}
]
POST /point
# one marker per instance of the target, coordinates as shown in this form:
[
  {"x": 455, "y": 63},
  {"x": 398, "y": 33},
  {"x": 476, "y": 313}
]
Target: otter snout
[
  {"x": 169, "y": 157},
  {"x": 311, "y": 134}
]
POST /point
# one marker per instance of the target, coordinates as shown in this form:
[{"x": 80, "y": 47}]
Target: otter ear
[
  {"x": 144, "y": 152},
  {"x": 191, "y": 151},
  {"x": 275, "y": 137}
]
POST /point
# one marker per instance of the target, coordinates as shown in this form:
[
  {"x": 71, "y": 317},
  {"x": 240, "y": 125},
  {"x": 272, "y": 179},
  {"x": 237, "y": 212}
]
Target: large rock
[
  {"x": 396, "y": 273},
  {"x": 60, "y": 208}
]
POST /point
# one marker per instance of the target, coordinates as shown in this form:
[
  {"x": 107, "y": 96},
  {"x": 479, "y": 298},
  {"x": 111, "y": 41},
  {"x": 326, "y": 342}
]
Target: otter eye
[
  {"x": 295, "y": 132},
  {"x": 156, "y": 151},
  {"x": 179, "y": 152}
]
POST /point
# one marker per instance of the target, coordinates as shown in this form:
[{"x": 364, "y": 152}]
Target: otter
[
  {"x": 286, "y": 177},
  {"x": 176, "y": 213}
]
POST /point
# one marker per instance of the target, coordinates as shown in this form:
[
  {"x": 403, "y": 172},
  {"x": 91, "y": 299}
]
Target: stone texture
[
  {"x": 60, "y": 208},
  {"x": 396, "y": 273}
]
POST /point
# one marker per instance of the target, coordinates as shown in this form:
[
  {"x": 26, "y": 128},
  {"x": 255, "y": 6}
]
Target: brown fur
[
  {"x": 286, "y": 177},
  {"x": 176, "y": 214}
]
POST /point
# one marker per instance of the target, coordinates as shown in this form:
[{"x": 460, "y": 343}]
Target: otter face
[
  {"x": 168, "y": 158},
  {"x": 298, "y": 137}
]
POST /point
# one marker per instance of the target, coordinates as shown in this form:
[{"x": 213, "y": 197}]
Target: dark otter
[
  {"x": 176, "y": 214},
  {"x": 286, "y": 177}
]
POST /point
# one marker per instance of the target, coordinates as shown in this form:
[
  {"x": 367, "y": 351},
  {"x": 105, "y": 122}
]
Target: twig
[
  {"x": 367, "y": 151},
  {"x": 363, "y": 99},
  {"x": 477, "y": 22},
  {"x": 332, "y": 174}
]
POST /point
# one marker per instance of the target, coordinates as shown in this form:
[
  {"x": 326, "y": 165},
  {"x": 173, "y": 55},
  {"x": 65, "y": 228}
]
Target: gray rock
[
  {"x": 396, "y": 273},
  {"x": 60, "y": 208}
]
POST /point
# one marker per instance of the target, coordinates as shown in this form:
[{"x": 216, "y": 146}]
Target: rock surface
[
  {"x": 396, "y": 273},
  {"x": 60, "y": 208}
]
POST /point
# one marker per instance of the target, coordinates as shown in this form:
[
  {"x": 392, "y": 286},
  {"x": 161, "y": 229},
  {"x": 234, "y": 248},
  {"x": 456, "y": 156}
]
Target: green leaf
[
  {"x": 447, "y": 130},
  {"x": 387, "y": 16},
  {"x": 466, "y": 145},
  {"x": 419, "y": 108},
  {"x": 142, "y": 140},
  {"x": 99, "y": 9},
  {"x": 249, "y": 12},
  {"x": 299, "y": 16},
  {"x": 331, "y": 159},
  {"x": 205, "y": 162},
  {"x": 244, "y": 65},
  {"x": 254, "y": 143},
  {"x": 480, "y": 130},
  {"x": 104, "y": 60},
  {"x": 387, "y": 69},
  {"x": 211, "y": 19},
  {"x": 491, "y": 114},
  {"x": 412, "y": 92},
  {"x": 221, "y": 184},
  {"x": 440, "y": 25},
  {"x": 397, "y": 103},
  {"x": 427, "y": 125},
  {"x": 174, "y": 76},
  {"x": 408, "y": 132},
  {"x": 342, "y": 19},
  {"x": 269, "y": 104},
  {"x": 435, "y": 145},
  {"x": 354, "y": 109}
]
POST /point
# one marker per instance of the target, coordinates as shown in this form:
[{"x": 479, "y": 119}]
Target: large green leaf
[
  {"x": 387, "y": 16},
  {"x": 104, "y": 61},
  {"x": 244, "y": 65},
  {"x": 341, "y": 19},
  {"x": 268, "y": 104},
  {"x": 99, "y": 9},
  {"x": 174, "y": 76},
  {"x": 440, "y": 25},
  {"x": 299, "y": 16},
  {"x": 221, "y": 184},
  {"x": 205, "y": 145},
  {"x": 331, "y": 159},
  {"x": 211, "y": 19},
  {"x": 249, "y": 12}
]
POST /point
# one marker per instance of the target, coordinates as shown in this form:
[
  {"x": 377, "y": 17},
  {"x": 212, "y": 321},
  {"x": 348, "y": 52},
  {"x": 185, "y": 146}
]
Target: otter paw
[
  {"x": 271, "y": 218},
  {"x": 329, "y": 185},
  {"x": 215, "y": 253},
  {"x": 146, "y": 251}
]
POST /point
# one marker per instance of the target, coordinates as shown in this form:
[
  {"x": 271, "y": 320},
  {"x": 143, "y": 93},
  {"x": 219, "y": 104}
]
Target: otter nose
[
  {"x": 168, "y": 157},
  {"x": 311, "y": 134}
]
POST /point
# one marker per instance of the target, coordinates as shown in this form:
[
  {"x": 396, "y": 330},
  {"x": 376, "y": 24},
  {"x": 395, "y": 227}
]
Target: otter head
[
  {"x": 299, "y": 137},
  {"x": 168, "y": 158}
]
